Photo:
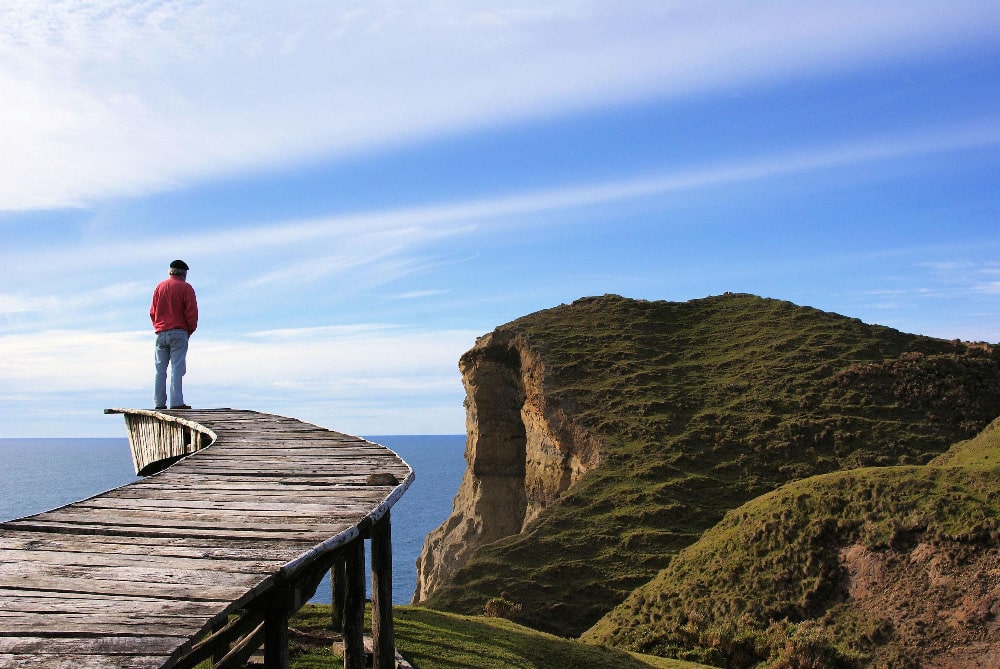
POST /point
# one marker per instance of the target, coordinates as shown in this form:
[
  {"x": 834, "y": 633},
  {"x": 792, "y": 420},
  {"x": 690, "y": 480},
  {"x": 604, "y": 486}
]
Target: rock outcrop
[{"x": 522, "y": 451}]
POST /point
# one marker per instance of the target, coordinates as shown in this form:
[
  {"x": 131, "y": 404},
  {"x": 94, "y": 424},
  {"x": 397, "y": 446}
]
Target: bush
[
  {"x": 808, "y": 646},
  {"x": 501, "y": 607}
]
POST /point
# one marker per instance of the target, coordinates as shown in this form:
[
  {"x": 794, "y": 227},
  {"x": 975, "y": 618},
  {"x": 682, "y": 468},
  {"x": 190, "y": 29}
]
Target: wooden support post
[
  {"x": 276, "y": 632},
  {"x": 354, "y": 606},
  {"x": 383, "y": 635},
  {"x": 220, "y": 650},
  {"x": 338, "y": 591}
]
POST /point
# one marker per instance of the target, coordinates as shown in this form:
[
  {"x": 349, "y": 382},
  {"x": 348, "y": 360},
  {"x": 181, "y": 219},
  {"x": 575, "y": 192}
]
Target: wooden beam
[
  {"x": 383, "y": 635},
  {"x": 276, "y": 632},
  {"x": 354, "y": 606},
  {"x": 240, "y": 653},
  {"x": 338, "y": 591},
  {"x": 221, "y": 649},
  {"x": 217, "y": 645}
]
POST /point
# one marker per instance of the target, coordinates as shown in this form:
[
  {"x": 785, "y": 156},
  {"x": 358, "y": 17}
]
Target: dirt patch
[{"x": 941, "y": 601}]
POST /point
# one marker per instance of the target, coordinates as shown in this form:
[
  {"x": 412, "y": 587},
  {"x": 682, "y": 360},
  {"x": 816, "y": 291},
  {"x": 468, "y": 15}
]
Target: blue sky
[{"x": 363, "y": 188}]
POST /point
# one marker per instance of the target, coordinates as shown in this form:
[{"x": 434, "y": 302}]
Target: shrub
[{"x": 501, "y": 607}]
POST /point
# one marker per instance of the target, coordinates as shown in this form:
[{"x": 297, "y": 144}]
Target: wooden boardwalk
[{"x": 221, "y": 546}]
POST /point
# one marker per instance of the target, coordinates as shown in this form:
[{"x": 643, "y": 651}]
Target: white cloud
[
  {"x": 357, "y": 254},
  {"x": 72, "y": 360},
  {"x": 385, "y": 241},
  {"x": 987, "y": 288},
  {"x": 346, "y": 363},
  {"x": 334, "y": 358},
  {"x": 363, "y": 378},
  {"x": 115, "y": 98},
  {"x": 41, "y": 306},
  {"x": 421, "y": 294},
  {"x": 16, "y": 304}
]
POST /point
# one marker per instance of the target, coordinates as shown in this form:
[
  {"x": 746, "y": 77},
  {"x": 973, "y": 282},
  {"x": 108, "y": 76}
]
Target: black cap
[{"x": 179, "y": 264}]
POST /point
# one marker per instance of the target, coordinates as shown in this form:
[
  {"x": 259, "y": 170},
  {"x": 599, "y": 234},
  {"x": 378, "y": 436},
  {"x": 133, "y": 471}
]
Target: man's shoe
[
  {"x": 159, "y": 408},
  {"x": 181, "y": 406}
]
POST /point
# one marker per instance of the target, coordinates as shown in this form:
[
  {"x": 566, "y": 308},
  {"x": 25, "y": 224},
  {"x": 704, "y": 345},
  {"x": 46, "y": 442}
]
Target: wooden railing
[{"x": 157, "y": 439}]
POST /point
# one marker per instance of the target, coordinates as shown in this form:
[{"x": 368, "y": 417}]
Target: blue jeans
[{"x": 171, "y": 348}]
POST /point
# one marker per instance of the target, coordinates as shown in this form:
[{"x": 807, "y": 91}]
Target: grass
[
  {"x": 780, "y": 559},
  {"x": 435, "y": 640},
  {"x": 701, "y": 407}
]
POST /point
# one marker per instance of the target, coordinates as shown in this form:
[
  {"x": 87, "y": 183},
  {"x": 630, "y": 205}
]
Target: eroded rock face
[{"x": 522, "y": 454}]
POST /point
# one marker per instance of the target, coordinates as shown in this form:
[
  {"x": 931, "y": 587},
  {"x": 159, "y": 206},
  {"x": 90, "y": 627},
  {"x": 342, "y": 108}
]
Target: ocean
[{"x": 41, "y": 474}]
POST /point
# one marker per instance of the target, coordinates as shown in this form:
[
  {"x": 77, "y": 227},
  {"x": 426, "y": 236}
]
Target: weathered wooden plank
[
  {"x": 290, "y": 517},
  {"x": 288, "y": 474},
  {"x": 17, "y": 574},
  {"x": 10, "y": 559},
  {"x": 97, "y": 586},
  {"x": 281, "y": 466},
  {"x": 103, "y": 645},
  {"x": 289, "y": 506},
  {"x": 303, "y": 494},
  {"x": 277, "y": 485},
  {"x": 212, "y": 530},
  {"x": 204, "y": 480},
  {"x": 210, "y": 548},
  {"x": 75, "y": 661},
  {"x": 89, "y": 624},
  {"x": 204, "y": 518},
  {"x": 271, "y": 445},
  {"x": 30, "y": 602}
]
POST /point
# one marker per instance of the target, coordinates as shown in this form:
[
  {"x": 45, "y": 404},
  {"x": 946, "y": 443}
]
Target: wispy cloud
[
  {"x": 116, "y": 98},
  {"x": 39, "y": 305},
  {"x": 963, "y": 288},
  {"x": 69, "y": 360},
  {"x": 332, "y": 357},
  {"x": 421, "y": 294},
  {"x": 16, "y": 304},
  {"x": 361, "y": 252},
  {"x": 316, "y": 373},
  {"x": 66, "y": 360},
  {"x": 378, "y": 235},
  {"x": 987, "y": 288}
]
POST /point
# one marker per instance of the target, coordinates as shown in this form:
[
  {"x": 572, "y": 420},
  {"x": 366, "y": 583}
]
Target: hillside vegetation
[
  {"x": 700, "y": 407},
  {"x": 435, "y": 640},
  {"x": 894, "y": 566}
]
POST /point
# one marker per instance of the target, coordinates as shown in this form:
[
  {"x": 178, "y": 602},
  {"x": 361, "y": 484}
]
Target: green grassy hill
[
  {"x": 435, "y": 640},
  {"x": 701, "y": 407},
  {"x": 887, "y": 566}
]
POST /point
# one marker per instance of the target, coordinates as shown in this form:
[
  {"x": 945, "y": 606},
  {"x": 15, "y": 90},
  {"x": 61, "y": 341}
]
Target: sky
[{"x": 362, "y": 188}]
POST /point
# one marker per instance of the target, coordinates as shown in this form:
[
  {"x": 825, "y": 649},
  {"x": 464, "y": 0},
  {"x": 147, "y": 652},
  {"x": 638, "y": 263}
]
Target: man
[{"x": 174, "y": 313}]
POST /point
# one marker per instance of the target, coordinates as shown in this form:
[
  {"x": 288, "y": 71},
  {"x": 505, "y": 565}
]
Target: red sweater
[{"x": 174, "y": 306}]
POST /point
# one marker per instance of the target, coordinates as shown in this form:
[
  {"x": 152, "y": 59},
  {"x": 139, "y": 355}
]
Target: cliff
[
  {"x": 609, "y": 435},
  {"x": 522, "y": 452}
]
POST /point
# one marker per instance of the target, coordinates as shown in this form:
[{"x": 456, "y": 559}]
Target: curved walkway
[{"x": 139, "y": 575}]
